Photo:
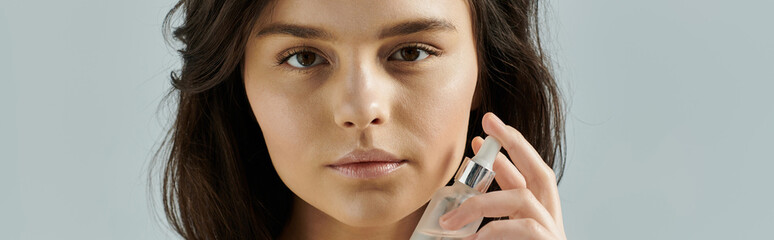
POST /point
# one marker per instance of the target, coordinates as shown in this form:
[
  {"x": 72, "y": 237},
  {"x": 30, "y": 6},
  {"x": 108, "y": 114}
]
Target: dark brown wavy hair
[{"x": 217, "y": 181}]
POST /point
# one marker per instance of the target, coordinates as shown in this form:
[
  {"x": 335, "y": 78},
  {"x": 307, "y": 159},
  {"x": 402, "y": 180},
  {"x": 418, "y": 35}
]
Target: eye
[
  {"x": 303, "y": 59},
  {"x": 412, "y": 53}
]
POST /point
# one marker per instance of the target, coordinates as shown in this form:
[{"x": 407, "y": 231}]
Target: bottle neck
[{"x": 475, "y": 175}]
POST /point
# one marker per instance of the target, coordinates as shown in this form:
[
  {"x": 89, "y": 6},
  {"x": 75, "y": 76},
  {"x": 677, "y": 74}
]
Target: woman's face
[{"x": 325, "y": 78}]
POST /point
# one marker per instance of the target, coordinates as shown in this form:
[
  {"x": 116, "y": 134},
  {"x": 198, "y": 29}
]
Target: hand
[{"x": 529, "y": 198}]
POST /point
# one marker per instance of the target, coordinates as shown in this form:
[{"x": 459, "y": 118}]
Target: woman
[{"x": 280, "y": 103}]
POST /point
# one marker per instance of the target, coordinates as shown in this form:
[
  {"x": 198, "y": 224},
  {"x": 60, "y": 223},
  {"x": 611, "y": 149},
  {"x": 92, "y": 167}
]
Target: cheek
[
  {"x": 436, "y": 117},
  {"x": 277, "y": 110},
  {"x": 273, "y": 115},
  {"x": 283, "y": 122},
  {"x": 444, "y": 97}
]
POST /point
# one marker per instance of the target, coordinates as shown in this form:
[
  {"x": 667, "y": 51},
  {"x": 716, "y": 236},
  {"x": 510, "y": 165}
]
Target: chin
[
  {"x": 370, "y": 219},
  {"x": 372, "y": 213}
]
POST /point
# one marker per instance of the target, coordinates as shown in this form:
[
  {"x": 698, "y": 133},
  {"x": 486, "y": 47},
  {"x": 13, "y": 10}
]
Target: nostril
[{"x": 352, "y": 124}]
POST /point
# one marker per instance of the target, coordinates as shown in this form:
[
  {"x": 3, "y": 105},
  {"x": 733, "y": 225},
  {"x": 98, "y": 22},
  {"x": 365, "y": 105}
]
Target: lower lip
[{"x": 367, "y": 169}]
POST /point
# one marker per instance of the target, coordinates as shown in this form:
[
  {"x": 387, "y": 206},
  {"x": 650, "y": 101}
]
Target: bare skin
[{"x": 325, "y": 78}]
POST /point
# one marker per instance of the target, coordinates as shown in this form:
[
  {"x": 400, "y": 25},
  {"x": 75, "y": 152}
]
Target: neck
[{"x": 308, "y": 222}]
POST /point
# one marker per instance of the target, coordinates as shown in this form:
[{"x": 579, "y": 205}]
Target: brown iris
[
  {"x": 306, "y": 58},
  {"x": 409, "y": 54}
]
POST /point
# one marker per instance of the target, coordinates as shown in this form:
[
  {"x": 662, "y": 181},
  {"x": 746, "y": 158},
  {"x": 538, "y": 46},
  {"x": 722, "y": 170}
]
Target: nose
[{"x": 363, "y": 98}]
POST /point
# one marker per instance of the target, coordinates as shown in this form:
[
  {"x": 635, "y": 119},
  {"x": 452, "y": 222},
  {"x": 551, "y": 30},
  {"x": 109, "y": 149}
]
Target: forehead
[{"x": 363, "y": 18}]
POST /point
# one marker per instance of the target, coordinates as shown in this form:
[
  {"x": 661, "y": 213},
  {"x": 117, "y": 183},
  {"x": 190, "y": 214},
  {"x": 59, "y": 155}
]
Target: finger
[
  {"x": 514, "y": 203},
  {"x": 540, "y": 178},
  {"x": 522, "y": 228},
  {"x": 476, "y": 143},
  {"x": 524, "y": 156},
  {"x": 506, "y": 174}
]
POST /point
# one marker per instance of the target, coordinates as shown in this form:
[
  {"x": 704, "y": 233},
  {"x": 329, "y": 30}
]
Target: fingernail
[
  {"x": 498, "y": 120},
  {"x": 448, "y": 216},
  {"x": 498, "y": 124}
]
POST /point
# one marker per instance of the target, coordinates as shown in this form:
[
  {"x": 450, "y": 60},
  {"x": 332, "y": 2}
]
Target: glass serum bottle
[{"x": 473, "y": 178}]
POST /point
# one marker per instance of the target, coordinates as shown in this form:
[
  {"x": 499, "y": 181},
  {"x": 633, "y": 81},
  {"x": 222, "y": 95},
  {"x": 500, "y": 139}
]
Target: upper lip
[{"x": 371, "y": 155}]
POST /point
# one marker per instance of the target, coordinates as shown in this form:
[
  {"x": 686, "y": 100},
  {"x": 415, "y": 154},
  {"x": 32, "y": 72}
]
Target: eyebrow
[{"x": 404, "y": 28}]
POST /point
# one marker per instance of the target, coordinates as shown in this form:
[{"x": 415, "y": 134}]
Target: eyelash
[
  {"x": 430, "y": 50},
  {"x": 282, "y": 58}
]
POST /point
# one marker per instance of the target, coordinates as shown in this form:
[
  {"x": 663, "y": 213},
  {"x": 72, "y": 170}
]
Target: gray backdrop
[{"x": 669, "y": 125}]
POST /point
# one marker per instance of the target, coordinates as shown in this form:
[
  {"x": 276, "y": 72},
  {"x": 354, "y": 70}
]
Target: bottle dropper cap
[
  {"x": 487, "y": 153},
  {"x": 477, "y": 172}
]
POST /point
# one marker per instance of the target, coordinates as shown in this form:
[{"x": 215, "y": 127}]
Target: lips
[
  {"x": 361, "y": 156},
  {"x": 372, "y": 163}
]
